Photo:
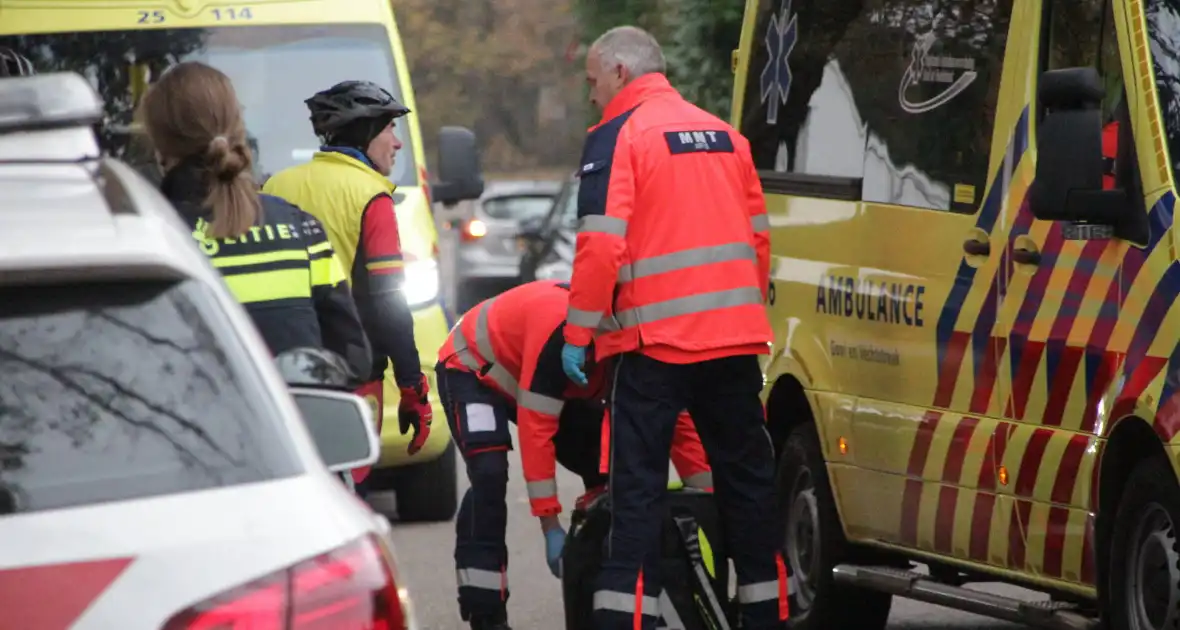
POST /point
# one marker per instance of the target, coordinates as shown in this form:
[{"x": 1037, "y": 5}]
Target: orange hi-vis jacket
[
  {"x": 673, "y": 247},
  {"x": 513, "y": 342}
]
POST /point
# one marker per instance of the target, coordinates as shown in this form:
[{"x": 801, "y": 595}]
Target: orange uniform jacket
[
  {"x": 513, "y": 343},
  {"x": 673, "y": 248}
]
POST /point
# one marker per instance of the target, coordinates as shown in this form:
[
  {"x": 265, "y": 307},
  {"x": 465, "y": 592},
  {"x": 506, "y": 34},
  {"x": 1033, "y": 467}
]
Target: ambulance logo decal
[
  {"x": 781, "y": 35},
  {"x": 927, "y": 69}
]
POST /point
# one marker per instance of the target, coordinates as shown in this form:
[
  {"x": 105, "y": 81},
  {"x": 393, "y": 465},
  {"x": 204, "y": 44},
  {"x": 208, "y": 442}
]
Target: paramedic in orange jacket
[
  {"x": 670, "y": 273},
  {"x": 502, "y": 363}
]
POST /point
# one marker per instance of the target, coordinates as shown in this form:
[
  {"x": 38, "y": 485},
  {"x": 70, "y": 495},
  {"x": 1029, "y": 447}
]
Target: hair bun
[{"x": 226, "y": 160}]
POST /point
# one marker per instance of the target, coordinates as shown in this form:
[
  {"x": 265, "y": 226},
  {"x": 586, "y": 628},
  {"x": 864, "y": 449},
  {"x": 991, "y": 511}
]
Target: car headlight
[{"x": 421, "y": 282}]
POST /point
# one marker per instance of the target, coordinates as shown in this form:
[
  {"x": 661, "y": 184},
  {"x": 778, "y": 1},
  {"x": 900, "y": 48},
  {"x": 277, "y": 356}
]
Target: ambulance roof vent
[{"x": 47, "y": 101}]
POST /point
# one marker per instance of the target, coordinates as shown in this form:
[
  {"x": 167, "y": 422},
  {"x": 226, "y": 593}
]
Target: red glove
[{"x": 414, "y": 411}]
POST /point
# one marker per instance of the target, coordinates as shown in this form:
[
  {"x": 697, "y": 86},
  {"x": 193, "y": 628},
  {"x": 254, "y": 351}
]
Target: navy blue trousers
[
  {"x": 479, "y": 417},
  {"x": 722, "y": 395}
]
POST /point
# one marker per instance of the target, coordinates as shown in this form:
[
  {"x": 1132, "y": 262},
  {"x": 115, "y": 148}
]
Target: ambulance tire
[
  {"x": 428, "y": 492},
  {"x": 815, "y": 538},
  {"x": 1143, "y": 578}
]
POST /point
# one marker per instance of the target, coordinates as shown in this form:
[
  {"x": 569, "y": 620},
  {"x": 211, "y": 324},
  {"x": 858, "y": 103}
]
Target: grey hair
[{"x": 631, "y": 47}]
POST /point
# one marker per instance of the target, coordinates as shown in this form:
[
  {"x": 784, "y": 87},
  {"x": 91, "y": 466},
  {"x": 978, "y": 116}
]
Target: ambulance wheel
[
  {"x": 1144, "y": 572},
  {"x": 815, "y": 544},
  {"x": 428, "y": 492}
]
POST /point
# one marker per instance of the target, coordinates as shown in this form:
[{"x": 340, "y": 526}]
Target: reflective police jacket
[
  {"x": 355, "y": 204},
  {"x": 283, "y": 270},
  {"x": 673, "y": 248},
  {"x": 512, "y": 342}
]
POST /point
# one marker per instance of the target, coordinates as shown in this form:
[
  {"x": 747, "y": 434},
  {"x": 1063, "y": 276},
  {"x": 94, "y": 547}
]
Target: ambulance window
[
  {"x": 895, "y": 95},
  {"x": 1163, "y": 26},
  {"x": 1082, "y": 33}
]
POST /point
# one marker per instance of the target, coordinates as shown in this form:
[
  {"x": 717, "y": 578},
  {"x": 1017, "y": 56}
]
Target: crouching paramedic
[
  {"x": 670, "y": 274},
  {"x": 502, "y": 363}
]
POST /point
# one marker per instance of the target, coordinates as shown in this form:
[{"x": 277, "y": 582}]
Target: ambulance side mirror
[
  {"x": 460, "y": 176},
  {"x": 1068, "y": 185}
]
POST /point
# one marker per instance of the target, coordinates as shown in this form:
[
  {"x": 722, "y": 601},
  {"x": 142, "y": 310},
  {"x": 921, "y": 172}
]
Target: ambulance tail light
[
  {"x": 352, "y": 588},
  {"x": 473, "y": 230}
]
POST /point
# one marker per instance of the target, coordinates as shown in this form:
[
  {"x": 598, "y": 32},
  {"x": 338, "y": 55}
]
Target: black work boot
[{"x": 497, "y": 621}]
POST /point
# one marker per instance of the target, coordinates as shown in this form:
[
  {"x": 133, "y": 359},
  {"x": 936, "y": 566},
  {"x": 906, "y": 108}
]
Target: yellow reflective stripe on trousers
[
  {"x": 700, "y": 480},
  {"x": 699, "y": 303},
  {"x": 760, "y": 222},
  {"x": 602, "y": 224},
  {"x": 539, "y": 403},
  {"x": 625, "y": 602},
  {"x": 264, "y": 286},
  {"x": 685, "y": 259},
  {"x": 543, "y": 489},
  {"x": 481, "y": 578}
]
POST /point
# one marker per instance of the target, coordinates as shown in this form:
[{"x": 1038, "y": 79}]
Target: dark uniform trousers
[
  {"x": 722, "y": 397},
  {"x": 479, "y": 418}
]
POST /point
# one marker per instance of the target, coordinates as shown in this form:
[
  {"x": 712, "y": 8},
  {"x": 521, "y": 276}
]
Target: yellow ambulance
[
  {"x": 278, "y": 53},
  {"x": 974, "y": 291}
]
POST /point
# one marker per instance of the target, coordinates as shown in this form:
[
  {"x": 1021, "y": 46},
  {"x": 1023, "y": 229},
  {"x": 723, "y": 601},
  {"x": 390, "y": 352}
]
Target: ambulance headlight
[{"x": 421, "y": 282}]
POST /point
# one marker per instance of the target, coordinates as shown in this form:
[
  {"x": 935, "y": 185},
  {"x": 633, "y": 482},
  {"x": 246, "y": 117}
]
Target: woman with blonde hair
[{"x": 275, "y": 258}]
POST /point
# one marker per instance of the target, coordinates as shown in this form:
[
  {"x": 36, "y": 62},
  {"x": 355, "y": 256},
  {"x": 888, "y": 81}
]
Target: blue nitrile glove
[
  {"x": 554, "y": 543},
  {"x": 572, "y": 360}
]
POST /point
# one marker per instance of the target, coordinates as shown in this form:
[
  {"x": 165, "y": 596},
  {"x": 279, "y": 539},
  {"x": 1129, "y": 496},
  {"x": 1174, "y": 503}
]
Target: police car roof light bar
[{"x": 48, "y": 101}]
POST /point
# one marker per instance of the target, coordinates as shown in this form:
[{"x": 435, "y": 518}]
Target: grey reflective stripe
[
  {"x": 698, "y": 303},
  {"x": 462, "y": 349},
  {"x": 669, "y": 614},
  {"x": 760, "y": 222},
  {"x": 483, "y": 345},
  {"x": 700, "y": 480},
  {"x": 607, "y": 324},
  {"x": 585, "y": 319},
  {"x": 759, "y": 592},
  {"x": 481, "y": 578},
  {"x": 695, "y": 257},
  {"x": 543, "y": 489},
  {"x": 625, "y": 602},
  {"x": 539, "y": 403},
  {"x": 602, "y": 224}
]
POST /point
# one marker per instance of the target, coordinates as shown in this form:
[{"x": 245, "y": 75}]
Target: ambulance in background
[
  {"x": 279, "y": 53},
  {"x": 977, "y": 354}
]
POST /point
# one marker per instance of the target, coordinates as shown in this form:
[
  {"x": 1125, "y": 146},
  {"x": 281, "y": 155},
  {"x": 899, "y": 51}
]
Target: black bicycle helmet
[
  {"x": 14, "y": 64},
  {"x": 315, "y": 367},
  {"x": 350, "y": 101}
]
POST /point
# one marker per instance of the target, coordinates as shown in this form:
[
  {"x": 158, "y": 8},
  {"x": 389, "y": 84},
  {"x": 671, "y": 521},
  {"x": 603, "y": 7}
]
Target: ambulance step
[{"x": 923, "y": 588}]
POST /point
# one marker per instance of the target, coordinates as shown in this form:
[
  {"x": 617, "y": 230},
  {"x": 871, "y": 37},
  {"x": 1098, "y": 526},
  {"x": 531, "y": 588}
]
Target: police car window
[
  {"x": 258, "y": 58},
  {"x": 122, "y": 391},
  {"x": 898, "y": 94},
  {"x": 1163, "y": 35}
]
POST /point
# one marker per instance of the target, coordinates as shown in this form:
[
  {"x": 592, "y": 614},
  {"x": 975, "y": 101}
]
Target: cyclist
[
  {"x": 14, "y": 64},
  {"x": 346, "y": 186},
  {"x": 274, "y": 257}
]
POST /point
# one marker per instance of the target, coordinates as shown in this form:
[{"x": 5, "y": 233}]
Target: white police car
[{"x": 154, "y": 470}]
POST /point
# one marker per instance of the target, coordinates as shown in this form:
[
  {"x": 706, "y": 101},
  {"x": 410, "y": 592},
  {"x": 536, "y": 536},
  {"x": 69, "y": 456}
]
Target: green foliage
[
  {"x": 699, "y": 47},
  {"x": 698, "y": 37}
]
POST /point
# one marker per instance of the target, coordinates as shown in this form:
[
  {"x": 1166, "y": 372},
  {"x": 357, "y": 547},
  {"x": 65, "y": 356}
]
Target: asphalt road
[{"x": 425, "y": 560}]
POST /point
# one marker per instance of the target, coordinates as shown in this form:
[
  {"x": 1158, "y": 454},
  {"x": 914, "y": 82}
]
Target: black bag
[{"x": 694, "y": 566}]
